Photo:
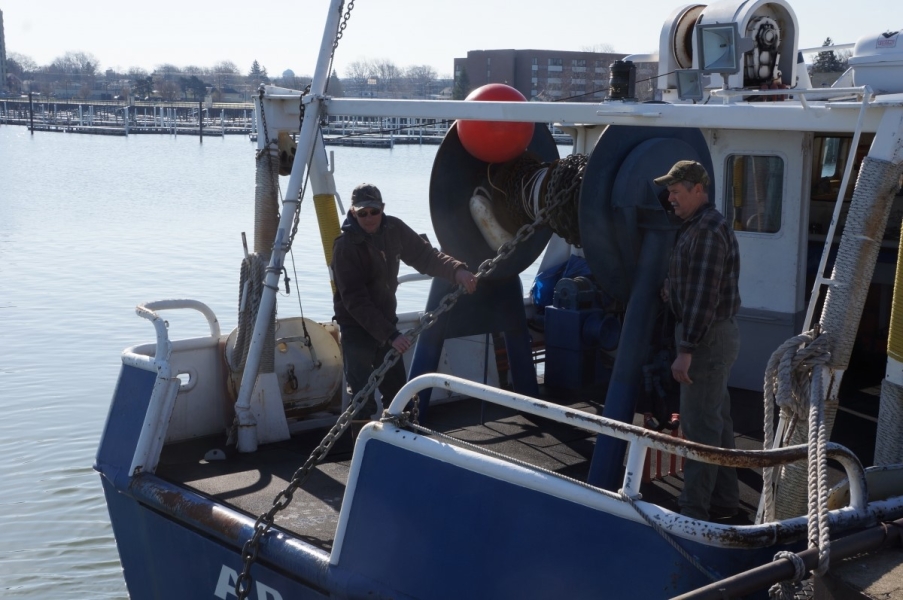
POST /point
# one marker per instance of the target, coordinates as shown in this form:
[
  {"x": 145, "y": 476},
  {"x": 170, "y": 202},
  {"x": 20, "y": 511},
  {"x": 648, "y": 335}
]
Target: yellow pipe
[
  {"x": 895, "y": 336},
  {"x": 328, "y": 220}
]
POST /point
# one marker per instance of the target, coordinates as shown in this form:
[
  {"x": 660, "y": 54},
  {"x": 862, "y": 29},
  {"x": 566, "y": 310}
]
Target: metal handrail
[{"x": 639, "y": 439}]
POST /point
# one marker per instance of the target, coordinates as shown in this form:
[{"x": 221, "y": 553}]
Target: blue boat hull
[{"x": 420, "y": 519}]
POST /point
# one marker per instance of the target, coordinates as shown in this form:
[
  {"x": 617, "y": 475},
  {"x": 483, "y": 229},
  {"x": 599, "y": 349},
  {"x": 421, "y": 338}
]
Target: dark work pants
[
  {"x": 705, "y": 417},
  {"x": 362, "y": 354}
]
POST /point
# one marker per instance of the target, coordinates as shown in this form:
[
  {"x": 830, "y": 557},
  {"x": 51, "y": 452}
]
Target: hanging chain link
[
  {"x": 565, "y": 184},
  {"x": 252, "y": 547},
  {"x": 342, "y": 26},
  {"x": 297, "y": 217},
  {"x": 263, "y": 119}
]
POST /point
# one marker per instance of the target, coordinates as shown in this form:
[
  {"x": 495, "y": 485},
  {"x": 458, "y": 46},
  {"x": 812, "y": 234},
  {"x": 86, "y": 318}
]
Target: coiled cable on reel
[{"x": 522, "y": 187}]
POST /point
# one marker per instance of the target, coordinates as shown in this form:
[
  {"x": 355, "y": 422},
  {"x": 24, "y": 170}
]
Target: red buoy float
[{"x": 495, "y": 141}]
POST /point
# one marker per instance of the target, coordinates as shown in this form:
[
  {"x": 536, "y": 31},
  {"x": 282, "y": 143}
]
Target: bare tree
[
  {"x": 76, "y": 63},
  {"x": 166, "y": 72},
  {"x": 24, "y": 65},
  {"x": 358, "y": 72},
  {"x": 169, "y": 90},
  {"x": 74, "y": 67},
  {"x": 421, "y": 78},
  {"x": 389, "y": 75},
  {"x": 603, "y": 48},
  {"x": 20, "y": 69},
  {"x": 137, "y": 73},
  {"x": 193, "y": 70},
  {"x": 225, "y": 73}
]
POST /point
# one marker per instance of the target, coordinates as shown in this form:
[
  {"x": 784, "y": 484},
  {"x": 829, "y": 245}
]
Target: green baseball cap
[
  {"x": 684, "y": 170},
  {"x": 366, "y": 195}
]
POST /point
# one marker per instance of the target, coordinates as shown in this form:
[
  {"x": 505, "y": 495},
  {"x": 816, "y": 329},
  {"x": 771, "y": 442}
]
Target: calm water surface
[{"x": 90, "y": 227}]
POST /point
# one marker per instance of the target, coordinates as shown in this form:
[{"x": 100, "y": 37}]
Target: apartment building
[{"x": 550, "y": 75}]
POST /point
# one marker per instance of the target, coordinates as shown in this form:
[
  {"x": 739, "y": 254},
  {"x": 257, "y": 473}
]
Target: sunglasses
[{"x": 373, "y": 212}]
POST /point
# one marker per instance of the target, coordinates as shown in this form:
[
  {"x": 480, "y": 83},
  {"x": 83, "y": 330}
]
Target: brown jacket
[{"x": 365, "y": 271}]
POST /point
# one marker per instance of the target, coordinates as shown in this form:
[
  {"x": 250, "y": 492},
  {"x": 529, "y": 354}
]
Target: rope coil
[{"x": 793, "y": 383}]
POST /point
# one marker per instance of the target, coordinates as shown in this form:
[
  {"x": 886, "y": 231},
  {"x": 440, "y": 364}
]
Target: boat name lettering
[{"x": 225, "y": 586}]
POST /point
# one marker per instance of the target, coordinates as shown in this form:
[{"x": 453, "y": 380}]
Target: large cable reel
[
  {"x": 455, "y": 176},
  {"x": 619, "y": 199}
]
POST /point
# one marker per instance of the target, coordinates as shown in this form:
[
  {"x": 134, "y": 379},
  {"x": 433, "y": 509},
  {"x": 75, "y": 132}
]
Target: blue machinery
[
  {"x": 581, "y": 328},
  {"x": 627, "y": 235}
]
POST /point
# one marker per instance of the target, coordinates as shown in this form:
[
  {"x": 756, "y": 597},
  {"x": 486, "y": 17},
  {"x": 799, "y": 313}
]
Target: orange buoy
[{"x": 495, "y": 141}]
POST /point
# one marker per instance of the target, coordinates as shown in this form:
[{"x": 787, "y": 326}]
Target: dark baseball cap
[
  {"x": 366, "y": 195},
  {"x": 684, "y": 170}
]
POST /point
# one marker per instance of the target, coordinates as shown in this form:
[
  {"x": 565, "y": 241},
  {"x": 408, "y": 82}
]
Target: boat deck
[{"x": 250, "y": 482}]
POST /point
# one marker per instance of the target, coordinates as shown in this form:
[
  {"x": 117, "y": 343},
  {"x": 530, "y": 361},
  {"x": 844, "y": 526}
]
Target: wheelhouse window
[
  {"x": 830, "y": 160},
  {"x": 754, "y": 193}
]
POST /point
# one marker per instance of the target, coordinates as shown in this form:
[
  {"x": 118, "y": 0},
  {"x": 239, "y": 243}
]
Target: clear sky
[{"x": 286, "y": 34}]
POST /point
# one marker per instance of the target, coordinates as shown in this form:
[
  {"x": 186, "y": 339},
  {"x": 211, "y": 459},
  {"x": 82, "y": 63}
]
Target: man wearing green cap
[
  {"x": 703, "y": 293},
  {"x": 365, "y": 262}
]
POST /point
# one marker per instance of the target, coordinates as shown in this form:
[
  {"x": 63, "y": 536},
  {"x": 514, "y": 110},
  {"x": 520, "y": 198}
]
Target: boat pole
[{"x": 247, "y": 424}]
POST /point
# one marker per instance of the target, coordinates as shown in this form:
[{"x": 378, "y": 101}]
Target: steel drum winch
[
  {"x": 626, "y": 231},
  {"x": 307, "y": 363},
  {"x": 456, "y": 175}
]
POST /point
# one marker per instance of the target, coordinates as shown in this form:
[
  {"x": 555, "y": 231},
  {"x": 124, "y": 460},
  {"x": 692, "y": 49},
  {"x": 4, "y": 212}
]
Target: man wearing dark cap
[
  {"x": 365, "y": 262},
  {"x": 704, "y": 296}
]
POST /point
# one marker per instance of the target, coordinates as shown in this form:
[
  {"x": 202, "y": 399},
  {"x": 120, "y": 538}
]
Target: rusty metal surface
[
  {"x": 196, "y": 511},
  {"x": 248, "y": 483}
]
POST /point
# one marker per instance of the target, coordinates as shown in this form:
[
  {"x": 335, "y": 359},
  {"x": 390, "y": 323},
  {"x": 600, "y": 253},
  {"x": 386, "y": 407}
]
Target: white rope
[
  {"x": 787, "y": 385},
  {"x": 792, "y": 383},
  {"x": 790, "y": 589},
  {"x": 530, "y": 192}
]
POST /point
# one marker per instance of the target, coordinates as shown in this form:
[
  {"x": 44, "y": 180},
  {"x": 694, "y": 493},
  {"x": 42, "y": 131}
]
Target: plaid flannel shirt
[{"x": 703, "y": 274}]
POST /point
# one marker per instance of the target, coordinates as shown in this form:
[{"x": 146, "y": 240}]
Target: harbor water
[{"x": 90, "y": 227}]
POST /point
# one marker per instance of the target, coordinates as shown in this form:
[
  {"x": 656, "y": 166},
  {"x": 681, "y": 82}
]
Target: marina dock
[
  {"x": 122, "y": 118},
  {"x": 119, "y": 118}
]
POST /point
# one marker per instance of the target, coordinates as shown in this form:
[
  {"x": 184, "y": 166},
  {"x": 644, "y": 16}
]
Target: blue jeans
[
  {"x": 362, "y": 354},
  {"x": 705, "y": 417}
]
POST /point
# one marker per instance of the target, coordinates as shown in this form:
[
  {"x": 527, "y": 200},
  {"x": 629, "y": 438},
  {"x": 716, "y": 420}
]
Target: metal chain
[
  {"x": 297, "y": 220},
  {"x": 265, "y": 521},
  {"x": 266, "y": 135},
  {"x": 569, "y": 170},
  {"x": 342, "y": 27}
]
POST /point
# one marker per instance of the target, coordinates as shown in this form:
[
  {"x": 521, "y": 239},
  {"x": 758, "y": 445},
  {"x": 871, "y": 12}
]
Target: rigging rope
[{"x": 794, "y": 384}]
